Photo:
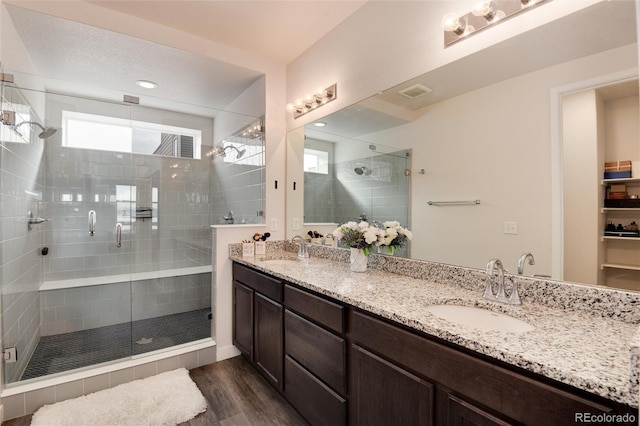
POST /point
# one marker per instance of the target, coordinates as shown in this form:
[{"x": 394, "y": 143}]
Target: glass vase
[{"x": 358, "y": 260}]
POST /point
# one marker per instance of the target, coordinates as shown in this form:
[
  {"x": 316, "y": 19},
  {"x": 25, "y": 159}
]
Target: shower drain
[{"x": 144, "y": 341}]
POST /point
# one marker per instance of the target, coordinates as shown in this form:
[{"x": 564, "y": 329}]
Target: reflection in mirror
[
  {"x": 498, "y": 138},
  {"x": 368, "y": 182}
]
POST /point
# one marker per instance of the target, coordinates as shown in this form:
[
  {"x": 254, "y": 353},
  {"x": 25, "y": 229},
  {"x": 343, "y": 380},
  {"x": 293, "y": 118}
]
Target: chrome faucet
[
  {"x": 302, "y": 251},
  {"x": 500, "y": 295},
  {"x": 229, "y": 218},
  {"x": 523, "y": 260},
  {"x": 323, "y": 241},
  {"x": 488, "y": 291}
]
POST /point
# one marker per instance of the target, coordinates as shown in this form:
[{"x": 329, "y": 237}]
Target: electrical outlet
[
  {"x": 511, "y": 228},
  {"x": 296, "y": 224},
  {"x": 274, "y": 224}
]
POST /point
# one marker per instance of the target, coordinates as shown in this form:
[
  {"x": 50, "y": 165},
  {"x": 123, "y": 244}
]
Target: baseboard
[{"x": 226, "y": 352}]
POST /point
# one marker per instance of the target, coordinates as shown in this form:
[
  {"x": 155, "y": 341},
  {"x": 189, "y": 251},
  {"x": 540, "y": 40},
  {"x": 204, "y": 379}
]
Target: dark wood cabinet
[
  {"x": 315, "y": 357},
  {"x": 337, "y": 365},
  {"x": 383, "y": 393},
  {"x": 316, "y": 401},
  {"x": 243, "y": 319},
  {"x": 268, "y": 356},
  {"x": 463, "y": 413},
  {"x": 470, "y": 389},
  {"x": 258, "y": 321}
]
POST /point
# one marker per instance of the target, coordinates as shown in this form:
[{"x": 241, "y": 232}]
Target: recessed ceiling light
[
  {"x": 319, "y": 124},
  {"x": 147, "y": 84}
]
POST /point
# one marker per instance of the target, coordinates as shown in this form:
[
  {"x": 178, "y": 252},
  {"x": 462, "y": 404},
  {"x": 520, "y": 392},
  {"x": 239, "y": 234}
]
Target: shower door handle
[
  {"x": 92, "y": 222},
  {"x": 118, "y": 235}
]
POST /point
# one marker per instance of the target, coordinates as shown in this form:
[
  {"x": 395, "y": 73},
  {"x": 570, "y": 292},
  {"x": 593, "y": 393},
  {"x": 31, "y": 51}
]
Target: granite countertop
[{"x": 585, "y": 351}]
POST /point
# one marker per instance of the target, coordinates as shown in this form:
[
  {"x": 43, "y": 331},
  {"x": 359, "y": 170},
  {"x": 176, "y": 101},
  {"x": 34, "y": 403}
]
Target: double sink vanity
[{"x": 414, "y": 342}]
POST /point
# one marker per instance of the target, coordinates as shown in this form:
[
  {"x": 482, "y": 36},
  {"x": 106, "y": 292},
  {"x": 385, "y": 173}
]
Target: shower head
[
  {"x": 362, "y": 170},
  {"x": 45, "y": 133},
  {"x": 221, "y": 151},
  {"x": 240, "y": 152}
]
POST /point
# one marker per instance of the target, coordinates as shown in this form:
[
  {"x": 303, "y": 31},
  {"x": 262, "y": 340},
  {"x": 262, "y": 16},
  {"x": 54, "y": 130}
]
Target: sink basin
[{"x": 479, "y": 318}]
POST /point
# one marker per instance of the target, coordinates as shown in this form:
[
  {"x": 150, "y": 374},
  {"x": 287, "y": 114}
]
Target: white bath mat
[{"x": 166, "y": 399}]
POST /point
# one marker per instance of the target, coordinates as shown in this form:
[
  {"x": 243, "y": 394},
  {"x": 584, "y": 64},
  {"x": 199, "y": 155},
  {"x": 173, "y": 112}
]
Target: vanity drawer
[
  {"x": 317, "y": 403},
  {"x": 270, "y": 287},
  {"x": 318, "y": 350},
  {"x": 322, "y": 311}
]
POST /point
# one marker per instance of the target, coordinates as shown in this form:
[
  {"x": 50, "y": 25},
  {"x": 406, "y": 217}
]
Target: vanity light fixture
[
  {"x": 147, "y": 84},
  {"x": 484, "y": 14},
  {"x": 313, "y": 101}
]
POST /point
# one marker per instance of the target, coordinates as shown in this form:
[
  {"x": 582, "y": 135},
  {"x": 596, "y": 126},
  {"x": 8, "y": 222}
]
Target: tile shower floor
[{"x": 63, "y": 352}]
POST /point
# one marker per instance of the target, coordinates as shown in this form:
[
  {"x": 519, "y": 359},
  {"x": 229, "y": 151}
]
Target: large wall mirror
[{"x": 525, "y": 127}]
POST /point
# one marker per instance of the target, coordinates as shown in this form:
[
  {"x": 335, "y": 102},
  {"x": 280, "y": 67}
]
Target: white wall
[{"x": 581, "y": 184}]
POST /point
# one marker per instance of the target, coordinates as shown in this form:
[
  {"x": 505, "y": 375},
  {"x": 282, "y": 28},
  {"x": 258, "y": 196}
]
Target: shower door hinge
[
  {"x": 6, "y": 78},
  {"x": 10, "y": 355},
  {"x": 8, "y": 118}
]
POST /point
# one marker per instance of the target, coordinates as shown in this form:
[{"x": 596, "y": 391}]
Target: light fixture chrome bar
[
  {"x": 488, "y": 12},
  {"x": 312, "y": 102},
  {"x": 454, "y": 203}
]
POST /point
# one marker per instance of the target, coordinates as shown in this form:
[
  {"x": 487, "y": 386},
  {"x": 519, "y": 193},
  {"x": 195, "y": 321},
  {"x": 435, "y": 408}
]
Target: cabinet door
[
  {"x": 243, "y": 319},
  {"x": 268, "y": 352},
  {"x": 382, "y": 393},
  {"x": 463, "y": 413}
]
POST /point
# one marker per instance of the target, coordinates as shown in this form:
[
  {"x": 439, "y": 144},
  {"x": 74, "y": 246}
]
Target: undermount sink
[{"x": 480, "y": 318}]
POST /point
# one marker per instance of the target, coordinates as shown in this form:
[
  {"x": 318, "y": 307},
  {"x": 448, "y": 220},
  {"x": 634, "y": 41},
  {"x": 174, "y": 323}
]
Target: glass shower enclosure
[{"x": 105, "y": 242}]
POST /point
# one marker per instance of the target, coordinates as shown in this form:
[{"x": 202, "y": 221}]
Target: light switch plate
[{"x": 511, "y": 228}]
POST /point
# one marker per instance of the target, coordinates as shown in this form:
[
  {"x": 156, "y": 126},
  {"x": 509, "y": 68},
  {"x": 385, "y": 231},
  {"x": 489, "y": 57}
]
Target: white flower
[
  {"x": 363, "y": 225},
  {"x": 408, "y": 234},
  {"x": 391, "y": 224},
  {"x": 370, "y": 236},
  {"x": 352, "y": 225},
  {"x": 392, "y": 232},
  {"x": 338, "y": 234}
]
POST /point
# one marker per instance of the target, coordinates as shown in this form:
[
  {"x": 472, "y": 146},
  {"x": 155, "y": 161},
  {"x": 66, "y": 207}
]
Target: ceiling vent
[{"x": 415, "y": 91}]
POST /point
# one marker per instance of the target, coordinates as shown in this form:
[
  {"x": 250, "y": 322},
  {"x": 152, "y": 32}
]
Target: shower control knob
[{"x": 45, "y": 251}]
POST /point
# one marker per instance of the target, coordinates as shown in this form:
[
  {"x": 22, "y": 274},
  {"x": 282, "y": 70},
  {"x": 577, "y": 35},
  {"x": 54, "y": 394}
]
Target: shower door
[
  {"x": 116, "y": 261},
  {"x": 67, "y": 303}
]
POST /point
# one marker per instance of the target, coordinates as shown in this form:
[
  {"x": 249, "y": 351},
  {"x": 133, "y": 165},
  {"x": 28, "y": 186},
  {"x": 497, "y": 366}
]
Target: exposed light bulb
[
  {"x": 451, "y": 23},
  {"x": 290, "y": 107},
  {"x": 488, "y": 11}
]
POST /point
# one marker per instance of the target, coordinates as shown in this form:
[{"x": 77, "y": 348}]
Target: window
[
  {"x": 90, "y": 131},
  {"x": 316, "y": 161}
]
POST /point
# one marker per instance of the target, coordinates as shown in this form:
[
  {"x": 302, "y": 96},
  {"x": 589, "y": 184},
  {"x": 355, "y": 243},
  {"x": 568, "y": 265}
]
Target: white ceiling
[
  {"x": 278, "y": 30},
  {"x": 82, "y": 60}
]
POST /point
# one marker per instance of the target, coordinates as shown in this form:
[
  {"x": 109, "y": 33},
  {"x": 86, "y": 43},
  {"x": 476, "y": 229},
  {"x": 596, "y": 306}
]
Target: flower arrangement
[
  {"x": 360, "y": 235},
  {"x": 395, "y": 235}
]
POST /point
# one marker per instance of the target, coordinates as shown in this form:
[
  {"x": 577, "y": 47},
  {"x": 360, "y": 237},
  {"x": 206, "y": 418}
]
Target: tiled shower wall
[
  {"x": 114, "y": 184},
  {"x": 82, "y": 308},
  {"x": 383, "y": 194},
  {"x": 20, "y": 249},
  {"x": 319, "y": 196},
  {"x": 79, "y": 181},
  {"x": 238, "y": 187}
]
